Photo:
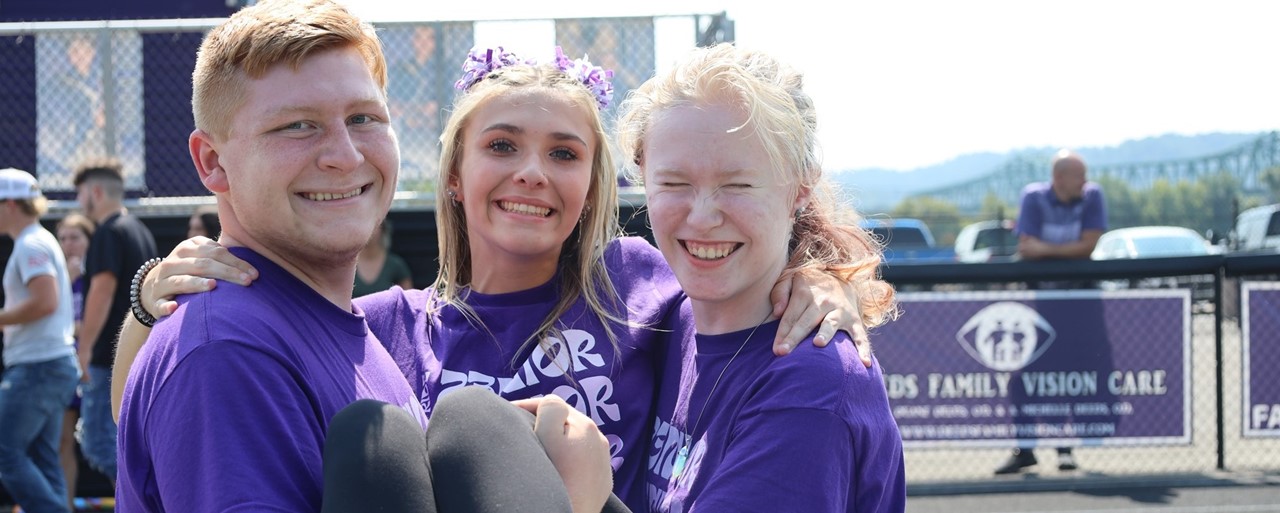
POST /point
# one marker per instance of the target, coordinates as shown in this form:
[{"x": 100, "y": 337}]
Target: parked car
[
  {"x": 907, "y": 239},
  {"x": 1157, "y": 242},
  {"x": 1258, "y": 229},
  {"x": 1151, "y": 241},
  {"x": 987, "y": 241}
]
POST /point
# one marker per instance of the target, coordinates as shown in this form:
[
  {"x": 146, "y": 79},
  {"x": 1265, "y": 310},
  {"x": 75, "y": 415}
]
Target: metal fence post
[{"x": 1217, "y": 349}]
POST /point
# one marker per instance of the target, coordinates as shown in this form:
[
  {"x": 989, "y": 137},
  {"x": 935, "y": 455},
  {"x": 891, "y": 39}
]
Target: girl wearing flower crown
[
  {"x": 537, "y": 293},
  {"x": 725, "y": 146}
]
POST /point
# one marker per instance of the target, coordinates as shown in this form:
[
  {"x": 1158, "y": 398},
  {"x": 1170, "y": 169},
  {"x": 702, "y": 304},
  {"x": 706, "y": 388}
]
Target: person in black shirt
[{"x": 119, "y": 246}]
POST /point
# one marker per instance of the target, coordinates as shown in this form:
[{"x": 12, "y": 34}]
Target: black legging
[{"x": 480, "y": 455}]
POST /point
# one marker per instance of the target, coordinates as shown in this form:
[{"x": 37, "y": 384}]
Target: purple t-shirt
[
  {"x": 614, "y": 386},
  {"x": 228, "y": 403},
  {"x": 811, "y": 431},
  {"x": 77, "y": 299},
  {"x": 1046, "y": 218}
]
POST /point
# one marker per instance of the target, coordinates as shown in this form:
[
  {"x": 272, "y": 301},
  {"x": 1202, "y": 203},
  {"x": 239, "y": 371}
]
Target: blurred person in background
[
  {"x": 74, "y": 232},
  {"x": 413, "y": 91},
  {"x": 120, "y": 245},
  {"x": 1062, "y": 218},
  {"x": 204, "y": 223},
  {"x": 377, "y": 268},
  {"x": 1059, "y": 219},
  {"x": 42, "y": 373}
]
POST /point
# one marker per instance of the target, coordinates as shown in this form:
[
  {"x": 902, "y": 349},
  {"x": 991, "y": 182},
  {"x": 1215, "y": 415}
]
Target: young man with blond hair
[
  {"x": 41, "y": 372},
  {"x": 229, "y": 403}
]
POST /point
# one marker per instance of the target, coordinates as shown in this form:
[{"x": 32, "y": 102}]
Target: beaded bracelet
[{"x": 135, "y": 293}]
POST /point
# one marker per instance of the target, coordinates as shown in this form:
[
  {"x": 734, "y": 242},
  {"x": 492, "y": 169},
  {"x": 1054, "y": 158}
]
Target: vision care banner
[
  {"x": 1260, "y": 315},
  {"x": 1028, "y": 368}
]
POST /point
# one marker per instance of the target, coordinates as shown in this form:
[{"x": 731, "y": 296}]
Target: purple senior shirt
[
  {"x": 440, "y": 349},
  {"x": 227, "y": 405},
  {"x": 811, "y": 431}
]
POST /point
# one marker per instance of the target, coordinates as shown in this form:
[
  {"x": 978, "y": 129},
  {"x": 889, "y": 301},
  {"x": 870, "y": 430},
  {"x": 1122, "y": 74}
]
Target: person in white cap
[{"x": 42, "y": 371}]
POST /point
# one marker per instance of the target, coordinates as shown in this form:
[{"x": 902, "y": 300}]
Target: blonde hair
[
  {"x": 34, "y": 207},
  {"x": 824, "y": 237},
  {"x": 581, "y": 266},
  {"x": 271, "y": 32}
]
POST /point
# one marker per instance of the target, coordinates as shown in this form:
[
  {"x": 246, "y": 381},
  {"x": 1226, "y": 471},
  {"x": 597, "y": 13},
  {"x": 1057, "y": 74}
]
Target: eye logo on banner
[{"x": 1006, "y": 336}]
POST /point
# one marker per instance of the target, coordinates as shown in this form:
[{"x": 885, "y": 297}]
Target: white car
[
  {"x": 987, "y": 241},
  {"x": 1157, "y": 242},
  {"x": 1258, "y": 229},
  {"x": 1151, "y": 241}
]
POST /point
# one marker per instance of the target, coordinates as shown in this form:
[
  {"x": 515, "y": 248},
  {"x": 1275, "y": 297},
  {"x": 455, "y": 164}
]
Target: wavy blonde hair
[
  {"x": 825, "y": 236},
  {"x": 581, "y": 267},
  {"x": 271, "y": 32}
]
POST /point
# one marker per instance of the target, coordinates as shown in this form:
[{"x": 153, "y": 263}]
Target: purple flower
[
  {"x": 598, "y": 80},
  {"x": 481, "y": 62},
  {"x": 562, "y": 61}
]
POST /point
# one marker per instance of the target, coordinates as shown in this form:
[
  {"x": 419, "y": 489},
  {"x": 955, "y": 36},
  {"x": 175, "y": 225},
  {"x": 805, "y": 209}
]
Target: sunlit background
[{"x": 910, "y": 83}]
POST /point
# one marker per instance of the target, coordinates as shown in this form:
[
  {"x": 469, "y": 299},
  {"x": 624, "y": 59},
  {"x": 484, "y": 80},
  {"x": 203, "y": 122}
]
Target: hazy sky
[{"x": 904, "y": 83}]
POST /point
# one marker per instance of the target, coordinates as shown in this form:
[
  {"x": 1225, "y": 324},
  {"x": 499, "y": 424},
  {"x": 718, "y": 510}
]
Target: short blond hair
[
  {"x": 33, "y": 207},
  {"x": 272, "y": 32}
]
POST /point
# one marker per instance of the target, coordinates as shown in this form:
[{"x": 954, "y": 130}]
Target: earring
[
  {"x": 586, "y": 211},
  {"x": 452, "y": 195}
]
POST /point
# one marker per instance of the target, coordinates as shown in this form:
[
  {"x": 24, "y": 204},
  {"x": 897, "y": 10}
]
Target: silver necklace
[{"x": 682, "y": 456}]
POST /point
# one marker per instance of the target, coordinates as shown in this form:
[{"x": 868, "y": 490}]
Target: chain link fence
[
  {"x": 80, "y": 91},
  {"x": 1216, "y": 410},
  {"x": 1184, "y": 418},
  {"x": 1250, "y": 357}
]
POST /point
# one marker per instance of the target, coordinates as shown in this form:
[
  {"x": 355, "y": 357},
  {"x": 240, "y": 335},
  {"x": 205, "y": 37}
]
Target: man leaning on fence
[
  {"x": 1063, "y": 218},
  {"x": 1059, "y": 219}
]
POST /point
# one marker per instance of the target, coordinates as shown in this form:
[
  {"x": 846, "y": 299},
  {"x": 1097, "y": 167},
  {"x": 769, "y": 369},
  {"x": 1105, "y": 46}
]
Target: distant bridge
[{"x": 1245, "y": 162}]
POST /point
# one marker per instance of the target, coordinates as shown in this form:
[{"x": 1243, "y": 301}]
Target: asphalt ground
[{"x": 1217, "y": 492}]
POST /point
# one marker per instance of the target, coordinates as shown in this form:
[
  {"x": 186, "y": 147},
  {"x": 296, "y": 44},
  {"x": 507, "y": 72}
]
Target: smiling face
[
  {"x": 523, "y": 179},
  {"x": 720, "y": 213},
  {"x": 309, "y": 165}
]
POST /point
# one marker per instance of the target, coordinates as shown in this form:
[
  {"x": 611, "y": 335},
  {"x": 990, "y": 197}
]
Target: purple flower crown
[{"x": 481, "y": 62}]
